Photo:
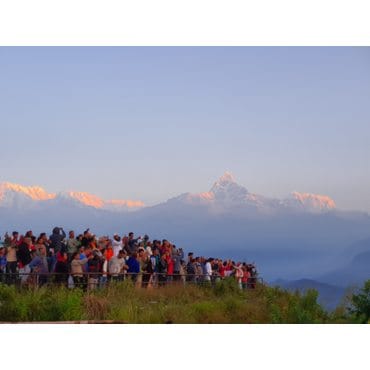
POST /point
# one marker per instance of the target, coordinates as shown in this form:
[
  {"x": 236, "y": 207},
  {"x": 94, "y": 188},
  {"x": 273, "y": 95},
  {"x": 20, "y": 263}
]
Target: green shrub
[{"x": 360, "y": 304}]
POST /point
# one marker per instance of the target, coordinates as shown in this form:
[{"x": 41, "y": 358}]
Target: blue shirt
[{"x": 133, "y": 266}]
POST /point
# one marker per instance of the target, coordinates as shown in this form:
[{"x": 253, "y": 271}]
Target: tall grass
[{"x": 123, "y": 302}]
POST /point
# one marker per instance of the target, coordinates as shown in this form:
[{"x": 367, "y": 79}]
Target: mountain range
[
  {"x": 302, "y": 235},
  {"x": 225, "y": 195}
]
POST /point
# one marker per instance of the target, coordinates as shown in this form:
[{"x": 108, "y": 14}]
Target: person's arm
[
  {"x": 83, "y": 261},
  {"x": 63, "y": 233},
  {"x": 35, "y": 263}
]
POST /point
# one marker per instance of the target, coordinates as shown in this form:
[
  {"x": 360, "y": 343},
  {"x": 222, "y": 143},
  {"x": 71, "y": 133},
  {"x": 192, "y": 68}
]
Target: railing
[{"x": 94, "y": 280}]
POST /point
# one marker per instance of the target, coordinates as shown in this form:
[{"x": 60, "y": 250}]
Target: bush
[{"x": 360, "y": 305}]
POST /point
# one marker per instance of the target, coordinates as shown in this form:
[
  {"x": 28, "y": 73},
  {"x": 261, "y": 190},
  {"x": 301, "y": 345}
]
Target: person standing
[
  {"x": 24, "y": 259},
  {"x": 61, "y": 268},
  {"x": 56, "y": 244},
  {"x": 72, "y": 245},
  {"x": 177, "y": 257},
  {"x": 117, "y": 266},
  {"x": 2, "y": 263},
  {"x": 133, "y": 267},
  {"x": 39, "y": 265},
  {"x": 11, "y": 258},
  {"x": 208, "y": 270},
  {"x": 77, "y": 271},
  {"x": 116, "y": 244}
]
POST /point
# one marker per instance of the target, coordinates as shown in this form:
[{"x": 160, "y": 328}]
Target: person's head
[
  {"x": 42, "y": 250},
  {"x": 75, "y": 256},
  {"x": 15, "y": 234},
  {"x": 116, "y": 238},
  {"x": 27, "y": 241},
  {"x": 131, "y": 235},
  {"x": 141, "y": 252},
  {"x": 56, "y": 231},
  {"x": 71, "y": 234},
  {"x": 121, "y": 254},
  {"x": 29, "y": 234},
  {"x": 134, "y": 255}
]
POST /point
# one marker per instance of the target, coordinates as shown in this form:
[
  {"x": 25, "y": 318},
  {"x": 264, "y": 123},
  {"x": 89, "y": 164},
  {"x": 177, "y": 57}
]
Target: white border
[
  {"x": 186, "y": 346},
  {"x": 190, "y": 22}
]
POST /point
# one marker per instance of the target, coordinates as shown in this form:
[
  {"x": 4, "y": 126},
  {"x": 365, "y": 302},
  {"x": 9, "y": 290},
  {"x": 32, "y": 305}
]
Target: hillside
[
  {"x": 330, "y": 296},
  {"x": 122, "y": 302}
]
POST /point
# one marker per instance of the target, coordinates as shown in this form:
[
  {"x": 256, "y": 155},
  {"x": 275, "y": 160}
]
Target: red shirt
[
  {"x": 170, "y": 265},
  {"x": 61, "y": 257},
  {"x": 246, "y": 276}
]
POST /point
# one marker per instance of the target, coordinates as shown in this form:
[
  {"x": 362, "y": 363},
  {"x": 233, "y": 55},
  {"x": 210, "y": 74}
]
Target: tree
[{"x": 361, "y": 304}]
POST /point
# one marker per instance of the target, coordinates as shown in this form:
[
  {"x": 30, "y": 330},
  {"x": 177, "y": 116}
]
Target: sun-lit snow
[
  {"x": 33, "y": 192},
  {"x": 225, "y": 194},
  {"x": 316, "y": 201},
  {"x": 23, "y": 196}
]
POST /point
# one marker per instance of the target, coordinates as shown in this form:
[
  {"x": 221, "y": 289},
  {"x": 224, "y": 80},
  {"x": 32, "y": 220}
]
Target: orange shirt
[{"x": 108, "y": 254}]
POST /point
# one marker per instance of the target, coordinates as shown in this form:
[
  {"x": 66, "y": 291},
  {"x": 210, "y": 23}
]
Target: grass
[{"x": 223, "y": 303}]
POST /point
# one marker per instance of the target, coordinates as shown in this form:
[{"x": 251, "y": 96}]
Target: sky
[{"x": 150, "y": 123}]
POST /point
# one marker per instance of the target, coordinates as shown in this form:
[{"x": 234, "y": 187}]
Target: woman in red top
[
  {"x": 61, "y": 268},
  {"x": 170, "y": 266},
  {"x": 221, "y": 269},
  {"x": 108, "y": 254},
  {"x": 246, "y": 276}
]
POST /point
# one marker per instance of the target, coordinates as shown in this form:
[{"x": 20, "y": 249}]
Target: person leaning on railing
[
  {"x": 11, "y": 245},
  {"x": 76, "y": 269},
  {"x": 2, "y": 264}
]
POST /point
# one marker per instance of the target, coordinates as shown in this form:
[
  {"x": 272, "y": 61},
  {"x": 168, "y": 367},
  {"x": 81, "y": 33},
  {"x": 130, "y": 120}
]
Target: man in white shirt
[
  {"x": 208, "y": 270},
  {"x": 116, "y": 245},
  {"x": 117, "y": 265}
]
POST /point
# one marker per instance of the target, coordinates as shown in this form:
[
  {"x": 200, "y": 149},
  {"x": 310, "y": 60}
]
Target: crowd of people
[{"x": 89, "y": 262}]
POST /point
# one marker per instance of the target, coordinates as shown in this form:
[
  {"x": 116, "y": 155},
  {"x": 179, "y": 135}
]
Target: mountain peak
[
  {"x": 33, "y": 192},
  {"x": 314, "y": 201},
  {"x": 227, "y": 177},
  {"x": 227, "y": 190}
]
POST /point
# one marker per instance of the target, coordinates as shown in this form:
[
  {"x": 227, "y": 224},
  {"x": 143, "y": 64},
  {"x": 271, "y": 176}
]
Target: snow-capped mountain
[
  {"x": 18, "y": 196},
  {"x": 227, "y": 194},
  {"x": 31, "y": 197},
  {"x": 311, "y": 202}
]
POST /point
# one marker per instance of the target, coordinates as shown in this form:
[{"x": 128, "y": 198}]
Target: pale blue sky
[{"x": 151, "y": 123}]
